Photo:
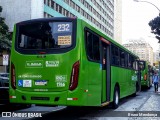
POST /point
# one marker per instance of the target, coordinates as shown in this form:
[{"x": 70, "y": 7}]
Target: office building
[
  {"x": 99, "y": 13},
  {"x": 118, "y": 21},
  {"x": 141, "y": 48}
]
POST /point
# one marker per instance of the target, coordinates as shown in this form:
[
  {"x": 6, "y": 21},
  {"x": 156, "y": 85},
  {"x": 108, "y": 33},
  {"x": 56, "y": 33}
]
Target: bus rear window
[{"x": 44, "y": 35}]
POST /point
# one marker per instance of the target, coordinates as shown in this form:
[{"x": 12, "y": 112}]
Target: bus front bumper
[
  {"x": 43, "y": 98},
  {"x": 65, "y": 98}
]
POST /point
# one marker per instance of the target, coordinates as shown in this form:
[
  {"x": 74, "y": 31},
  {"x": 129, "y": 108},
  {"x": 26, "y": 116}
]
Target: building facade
[
  {"x": 98, "y": 13},
  {"x": 19, "y": 10},
  {"x": 142, "y": 49},
  {"x": 118, "y": 21}
]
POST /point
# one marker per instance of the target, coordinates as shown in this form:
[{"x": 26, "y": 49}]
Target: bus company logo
[
  {"x": 52, "y": 63},
  {"x": 41, "y": 82},
  {"x": 34, "y": 64}
]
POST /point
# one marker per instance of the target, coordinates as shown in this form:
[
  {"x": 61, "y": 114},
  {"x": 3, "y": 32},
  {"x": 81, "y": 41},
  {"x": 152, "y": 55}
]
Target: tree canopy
[
  {"x": 155, "y": 27},
  {"x": 5, "y": 36}
]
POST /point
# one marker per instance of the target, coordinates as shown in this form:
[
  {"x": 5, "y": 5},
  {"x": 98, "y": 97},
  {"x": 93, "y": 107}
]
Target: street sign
[{"x": 5, "y": 59}]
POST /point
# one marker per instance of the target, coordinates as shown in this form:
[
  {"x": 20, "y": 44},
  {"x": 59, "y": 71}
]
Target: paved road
[{"x": 146, "y": 100}]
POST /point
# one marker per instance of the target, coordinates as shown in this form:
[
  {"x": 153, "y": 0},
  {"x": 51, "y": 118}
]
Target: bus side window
[
  {"x": 132, "y": 62},
  {"x": 135, "y": 65},
  {"x": 122, "y": 58},
  {"x": 96, "y": 51},
  {"x": 126, "y": 60},
  {"x": 129, "y": 61},
  {"x": 115, "y": 55},
  {"x": 92, "y": 46},
  {"x": 89, "y": 45}
]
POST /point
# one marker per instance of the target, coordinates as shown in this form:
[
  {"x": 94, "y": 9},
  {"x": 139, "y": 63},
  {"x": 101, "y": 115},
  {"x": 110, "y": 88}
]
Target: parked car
[
  {"x": 4, "y": 75},
  {"x": 4, "y": 91},
  {"x": 4, "y": 88}
]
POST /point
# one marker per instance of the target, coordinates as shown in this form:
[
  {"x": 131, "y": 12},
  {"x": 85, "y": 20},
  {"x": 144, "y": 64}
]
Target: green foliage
[
  {"x": 155, "y": 27},
  {"x": 5, "y": 36}
]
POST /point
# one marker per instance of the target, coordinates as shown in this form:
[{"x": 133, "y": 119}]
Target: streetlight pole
[
  {"x": 149, "y": 3},
  {"x": 159, "y": 15}
]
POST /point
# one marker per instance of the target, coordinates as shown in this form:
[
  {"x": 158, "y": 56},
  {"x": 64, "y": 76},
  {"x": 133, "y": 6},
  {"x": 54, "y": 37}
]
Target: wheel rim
[{"x": 116, "y": 98}]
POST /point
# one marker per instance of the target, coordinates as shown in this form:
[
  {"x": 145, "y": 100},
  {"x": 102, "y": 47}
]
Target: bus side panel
[
  {"x": 104, "y": 83},
  {"x": 124, "y": 78},
  {"x": 118, "y": 76},
  {"x": 93, "y": 74},
  {"x": 89, "y": 87},
  {"x": 94, "y": 84},
  {"x": 82, "y": 88}
]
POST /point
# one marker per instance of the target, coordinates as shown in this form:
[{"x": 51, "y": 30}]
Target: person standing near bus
[
  {"x": 156, "y": 81},
  {"x": 154, "y": 67}
]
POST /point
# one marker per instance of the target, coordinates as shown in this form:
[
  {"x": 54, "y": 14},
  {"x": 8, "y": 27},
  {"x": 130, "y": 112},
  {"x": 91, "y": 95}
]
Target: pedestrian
[
  {"x": 156, "y": 81},
  {"x": 154, "y": 67}
]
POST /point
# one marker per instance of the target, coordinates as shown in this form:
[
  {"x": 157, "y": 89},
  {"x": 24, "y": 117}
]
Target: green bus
[
  {"x": 66, "y": 61},
  {"x": 145, "y": 74}
]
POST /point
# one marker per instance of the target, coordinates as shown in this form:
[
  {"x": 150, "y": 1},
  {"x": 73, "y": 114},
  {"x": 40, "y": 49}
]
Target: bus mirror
[{"x": 141, "y": 65}]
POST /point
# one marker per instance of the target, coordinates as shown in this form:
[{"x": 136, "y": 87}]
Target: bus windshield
[{"x": 44, "y": 35}]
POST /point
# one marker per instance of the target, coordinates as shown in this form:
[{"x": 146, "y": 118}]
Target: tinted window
[
  {"x": 122, "y": 58},
  {"x": 132, "y": 61},
  {"x": 45, "y": 35},
  {"x": 115, "y": 55},
  {"x": 92, "y": 46},
  {"x": 126, "y": 59},
  {"x": 142, "y": 65}
]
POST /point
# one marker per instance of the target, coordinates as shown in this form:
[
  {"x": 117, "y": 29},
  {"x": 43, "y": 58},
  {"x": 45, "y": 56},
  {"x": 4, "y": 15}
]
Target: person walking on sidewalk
[{"x": 156, "y": 81}]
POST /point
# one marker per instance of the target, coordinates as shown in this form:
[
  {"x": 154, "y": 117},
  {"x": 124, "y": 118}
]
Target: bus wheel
[{"x": 116, "y": 98}]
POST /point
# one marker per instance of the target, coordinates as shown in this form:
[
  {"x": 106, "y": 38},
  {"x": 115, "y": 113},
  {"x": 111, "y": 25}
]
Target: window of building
[
  {"x": 45, "y": 15},
  {"x": 45, "y": 2},
  {"x": 52, "y": 4},
  {"x": 57, "y": 7},
  {"x": 67, "y": 13}
]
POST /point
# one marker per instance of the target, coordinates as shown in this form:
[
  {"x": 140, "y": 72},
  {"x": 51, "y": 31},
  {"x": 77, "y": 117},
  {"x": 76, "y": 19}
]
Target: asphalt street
[{"x": 144, "y": 106}]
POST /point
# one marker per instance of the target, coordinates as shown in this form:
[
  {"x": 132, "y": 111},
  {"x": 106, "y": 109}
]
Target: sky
[{"x": 135, "y": 19}]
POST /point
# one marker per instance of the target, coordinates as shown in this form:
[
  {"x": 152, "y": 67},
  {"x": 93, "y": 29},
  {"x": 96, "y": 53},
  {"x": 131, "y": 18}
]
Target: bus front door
[
  {"x": 106, "y": 81},
  {"x": 141, "y": 66}
]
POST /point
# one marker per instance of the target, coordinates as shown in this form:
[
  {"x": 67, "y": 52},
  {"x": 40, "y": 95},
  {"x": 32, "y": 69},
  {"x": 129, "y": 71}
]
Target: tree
[
  {"x": 5, "y": 36},
  {"x": 155, "y": 27}
]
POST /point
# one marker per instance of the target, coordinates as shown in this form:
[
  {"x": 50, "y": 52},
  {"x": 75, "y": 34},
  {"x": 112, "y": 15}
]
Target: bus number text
[
  {"x": 63, "y": 27},
  {"x": 60, "y": 84}
]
